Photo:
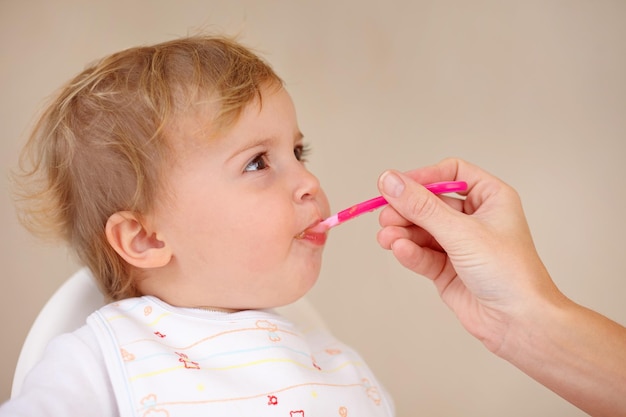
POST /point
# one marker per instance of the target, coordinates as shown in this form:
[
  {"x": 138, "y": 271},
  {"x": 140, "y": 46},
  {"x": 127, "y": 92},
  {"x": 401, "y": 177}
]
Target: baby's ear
[{"x": 137, "y": 245}]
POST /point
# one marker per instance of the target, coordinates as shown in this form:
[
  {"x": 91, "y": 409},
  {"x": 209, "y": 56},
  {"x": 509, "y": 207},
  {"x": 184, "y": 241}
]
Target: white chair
[{"x": 79, "y": 296}]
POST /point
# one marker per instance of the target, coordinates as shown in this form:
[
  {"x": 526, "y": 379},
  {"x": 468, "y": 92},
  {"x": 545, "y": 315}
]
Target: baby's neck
[{"x": 217, "y": 309}]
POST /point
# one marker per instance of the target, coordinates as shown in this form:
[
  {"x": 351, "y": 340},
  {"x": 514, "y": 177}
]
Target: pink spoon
[{"x": 374, "y": 203}]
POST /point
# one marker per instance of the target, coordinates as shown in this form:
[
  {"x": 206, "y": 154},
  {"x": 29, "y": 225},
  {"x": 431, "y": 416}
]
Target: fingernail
[{"x": 392, "y": 184}]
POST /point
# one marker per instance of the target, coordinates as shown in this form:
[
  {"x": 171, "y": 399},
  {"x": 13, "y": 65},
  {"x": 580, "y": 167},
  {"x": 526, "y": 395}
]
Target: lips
[
  {"x": 313, "y": 237},
  {"x": 316, "y": 237}
]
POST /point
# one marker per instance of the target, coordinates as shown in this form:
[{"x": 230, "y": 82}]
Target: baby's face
[{"x": 239, "y": 204}]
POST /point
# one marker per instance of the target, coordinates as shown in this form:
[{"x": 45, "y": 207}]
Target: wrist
[{"x": 531, "y": 328}]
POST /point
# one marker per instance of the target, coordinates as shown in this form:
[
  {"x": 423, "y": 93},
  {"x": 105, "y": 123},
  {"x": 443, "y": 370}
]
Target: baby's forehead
[
  {"x": 210, "y": 116},
  {"x": 209, "y": 121},
  {"x": 211, "y": 109},
  {"x": 199, "y": 123}
]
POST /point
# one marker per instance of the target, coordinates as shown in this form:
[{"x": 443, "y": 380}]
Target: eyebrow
[{"x": 267, "y": 141}]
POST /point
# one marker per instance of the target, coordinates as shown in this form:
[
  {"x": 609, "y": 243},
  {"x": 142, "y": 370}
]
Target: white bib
[{"x": 167, "y": 362}]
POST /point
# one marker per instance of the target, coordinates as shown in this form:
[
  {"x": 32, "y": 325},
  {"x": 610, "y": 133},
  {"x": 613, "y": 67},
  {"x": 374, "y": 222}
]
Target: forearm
[{"x": 576, "y": 352}]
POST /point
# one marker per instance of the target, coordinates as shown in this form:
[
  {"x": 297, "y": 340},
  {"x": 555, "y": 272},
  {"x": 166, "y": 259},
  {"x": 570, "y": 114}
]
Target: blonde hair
[{"x": 100, "y": 147}]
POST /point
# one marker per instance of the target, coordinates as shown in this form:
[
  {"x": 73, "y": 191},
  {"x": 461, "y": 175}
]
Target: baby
[{"x": 177, "y": 173}]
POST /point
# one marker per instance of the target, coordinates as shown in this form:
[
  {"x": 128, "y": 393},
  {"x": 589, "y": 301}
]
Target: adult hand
[
  {"x": 478, "y": 250},
  {"x": 481, "y": 257}
]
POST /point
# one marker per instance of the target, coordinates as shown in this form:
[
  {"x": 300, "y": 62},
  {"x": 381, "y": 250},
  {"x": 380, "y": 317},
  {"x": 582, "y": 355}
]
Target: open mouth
[{"x": 312, "y": 235}]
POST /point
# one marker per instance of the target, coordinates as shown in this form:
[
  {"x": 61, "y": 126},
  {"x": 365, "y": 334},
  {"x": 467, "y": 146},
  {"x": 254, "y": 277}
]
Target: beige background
[{"x": 534, "y": 91}]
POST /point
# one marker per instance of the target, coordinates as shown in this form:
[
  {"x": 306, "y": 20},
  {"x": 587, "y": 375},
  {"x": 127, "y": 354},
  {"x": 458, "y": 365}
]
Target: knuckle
[{"x": 420, "y": 206}]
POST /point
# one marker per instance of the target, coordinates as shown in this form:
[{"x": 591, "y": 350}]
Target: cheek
[
  {"x": 266, "y": 232},
  {"x": 258, "y": 236}
]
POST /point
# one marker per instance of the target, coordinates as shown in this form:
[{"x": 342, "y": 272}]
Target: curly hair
[{"x": 101, "y": 145}]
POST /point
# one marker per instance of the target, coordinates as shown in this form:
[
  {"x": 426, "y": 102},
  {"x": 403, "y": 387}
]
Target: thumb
[{"x": 416, "y": 204}]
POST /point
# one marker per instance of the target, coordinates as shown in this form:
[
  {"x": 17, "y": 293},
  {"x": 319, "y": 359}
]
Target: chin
[{"x": 294, "y": 296}]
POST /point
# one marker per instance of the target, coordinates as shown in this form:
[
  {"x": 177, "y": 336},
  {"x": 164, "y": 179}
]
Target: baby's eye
[
  {"x": 301, "y": 152},
  {"x": 257, "y": 163}
]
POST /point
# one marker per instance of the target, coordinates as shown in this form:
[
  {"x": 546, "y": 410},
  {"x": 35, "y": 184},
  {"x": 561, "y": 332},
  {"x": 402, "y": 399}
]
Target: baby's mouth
[
  {"x": 312, "y": 235},
  {"x": 309, "y": 228}
]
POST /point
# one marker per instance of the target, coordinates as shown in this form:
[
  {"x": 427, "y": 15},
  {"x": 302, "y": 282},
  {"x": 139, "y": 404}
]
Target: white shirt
[{"x": 59, "y": 384}]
